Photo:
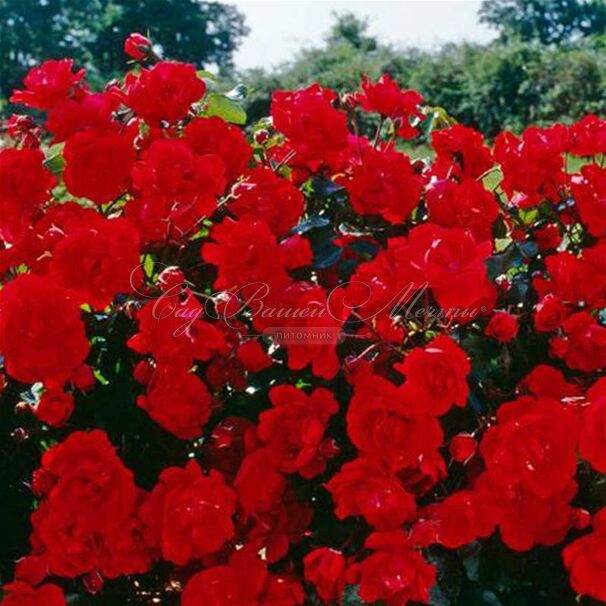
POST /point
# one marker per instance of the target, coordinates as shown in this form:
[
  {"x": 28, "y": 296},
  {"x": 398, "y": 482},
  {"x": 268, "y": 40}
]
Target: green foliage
[
  {"x": 549, "y": 21},
  {"x": 93, "y": 32}
]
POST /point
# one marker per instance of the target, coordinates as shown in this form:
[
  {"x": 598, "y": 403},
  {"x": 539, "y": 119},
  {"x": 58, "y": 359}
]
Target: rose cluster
[{"x": 440, "y": 391}]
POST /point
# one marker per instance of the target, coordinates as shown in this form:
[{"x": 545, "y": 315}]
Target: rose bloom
[
  {"x": 50, "y": 343},
  {"x": 164, "y": 92},
  {"x": 550, "y": 313},
  {"x": 178, "y": 401},
  {"x": 585, "y": 559},
  {"x": 466, "y": 204},
  {"x": 24, "y": 187},
  {"x": 366, "y": 488},
  {"x": 97, "y": 167},
  {"x": 49, "y": 83},
  {"x": 325, "y": 570},
  {"x": 254, "y": 496},
  {"x": 461, "y": 148},
  {"x": 55, "y": 407},
  {"x": 88, "y": 112},
  {"x": 503, "y": 327},
  {"x": 395, "y": 573},
  {"x": 215, "y": 136},
  {"x": 307, "y": 117},
  {"x": 22, "y": 594},
  {"x": 384, "y": 183},
  {"x": 99, "y": 262},
  {"x": 459, "y": 519},
  {"x": 593, "y": 427},
  {"x": 267, "y": 196},
  {"x": 384, "y": 422},
  {"x": 437, "y": 375},
  {"x": 293, "y": 430},
  {"x": 189, "y": 514},
  {"x": 243, "y": 581}
]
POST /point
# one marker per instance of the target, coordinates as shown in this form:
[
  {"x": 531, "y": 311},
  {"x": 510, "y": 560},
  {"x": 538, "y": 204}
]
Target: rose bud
[{"x": 137, "y": 46}]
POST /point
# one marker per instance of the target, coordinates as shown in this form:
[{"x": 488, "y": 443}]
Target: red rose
[
  {"x": 457, "y": 520},
  {"x": 588, "y": 136},
  {"x": 215, "y": 136},
  {"x": 189, "y": 514},
  {"x": 593, "y": 428},
  {"x": 49, "y": 83},
  {"x": 325, "y": 569},
  {"x": 307, "y": 117},
  {"x": 55, "y": 407},
  {"x": 88, "y": 478},
  {"x": 395, "y": 573},
  {"x": 550, "y": 313},
  {"x": 366, "y": 488},
  {"x": 174, "y": 332},
  {"x": 270, "y": 198},
  {"x": 293, "y": 430},
  {"x": 84, "y": 522},
  {"x": 164, "y": 92},
  {"x": 460, "y": 150},
  {"x": 259, "y": 486},
  {"x": 574, "y": 279},
  {"x": 99, "y": 262},
  {"x": 384, "y": 183},
  {"x": 247, "y": 256},
  {"x": 585, "y": 559},
  {"x": 137, "y": 46},
  {"x": 178, "y": 401},
  {"x": 97, "y": 167},
  {"x": 454, "y": 266},
  {"x": 243, "y": 581},
  {"x": 170, "y": 169},
  {"x": 585, "y": 345},
  {"x": 253, "y": 357},
  {"x": 437, "y": 375},
  {"x": 22, "y": 594},
  {"x": 548, "y": 381},
  {"x": 548, "y": 237},
  {"x": 311, "y": 313},
  {"x": 384, "y": 422},
  {"x": 466, "y": 204},
  {"x": 24, "y": 186},
  {"x": 462, "y": 447},
  {"x": 49, "y": 343},
  {"x": 502, "y": 326},
  {"x": 87, "y": 112},
  {"x": 533, "y": 447},
  {"x": 590, "y": 195},
  {"x": 532, "y": 164},
  {"x": 388, "y": 99}
]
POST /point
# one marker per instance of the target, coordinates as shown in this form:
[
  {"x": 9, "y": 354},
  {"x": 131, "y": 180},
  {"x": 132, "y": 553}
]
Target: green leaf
[
  {"x": 55, "y": 163},
  {"x": 350, "y": 596},
  {"x": 224, "y": 107}
]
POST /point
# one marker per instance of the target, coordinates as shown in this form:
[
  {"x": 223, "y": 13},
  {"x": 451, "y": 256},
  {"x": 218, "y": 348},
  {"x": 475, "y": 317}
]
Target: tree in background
[
  {"x": 548, "y": 21},
  {"x": 92, "y": 32}
]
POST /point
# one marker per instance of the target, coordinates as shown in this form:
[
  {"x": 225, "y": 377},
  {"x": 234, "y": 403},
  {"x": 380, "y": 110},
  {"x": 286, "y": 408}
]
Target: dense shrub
[{"x": 297, "y": 367}]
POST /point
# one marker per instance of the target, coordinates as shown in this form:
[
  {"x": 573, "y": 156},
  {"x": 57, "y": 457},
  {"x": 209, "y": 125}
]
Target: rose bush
[{"x": 288, "y": 364}]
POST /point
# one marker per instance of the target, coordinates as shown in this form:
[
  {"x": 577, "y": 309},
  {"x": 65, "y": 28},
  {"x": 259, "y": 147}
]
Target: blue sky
[{"x": 280, "y": 27}]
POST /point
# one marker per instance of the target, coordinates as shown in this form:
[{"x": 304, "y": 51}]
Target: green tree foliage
[
  {"x": 549, "y": 21},
  {"x": 93, "y": 31}
]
